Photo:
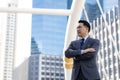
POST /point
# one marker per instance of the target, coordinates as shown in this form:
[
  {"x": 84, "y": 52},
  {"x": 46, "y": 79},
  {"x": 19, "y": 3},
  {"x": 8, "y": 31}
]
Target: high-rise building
[
  {"x": 14, "y": 49},
  {"x": 108, "y": 5},
  {"x": 34, "y": 47},
  {"x": 69, "y": 3},
  {"x": 8, "y": 44},
  {"x": 49, "y": 31},
  {"x": 46, "y": 67},
  {"x": 91, "y": 9},
  {"x": 106, "y": 29}
]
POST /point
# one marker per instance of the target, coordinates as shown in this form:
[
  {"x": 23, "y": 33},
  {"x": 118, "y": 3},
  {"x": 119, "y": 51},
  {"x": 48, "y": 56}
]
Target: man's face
[{"x": 82, "y": 30}]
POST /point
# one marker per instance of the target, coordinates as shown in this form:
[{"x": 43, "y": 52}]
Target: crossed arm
[{"x": 82, "y": 54}]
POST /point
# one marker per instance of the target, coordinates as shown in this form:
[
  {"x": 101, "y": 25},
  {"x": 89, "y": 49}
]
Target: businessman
[{"x": 84, "y": 52}]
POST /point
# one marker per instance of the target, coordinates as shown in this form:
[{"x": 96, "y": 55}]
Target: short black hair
[{"x": 85, "y": 23}]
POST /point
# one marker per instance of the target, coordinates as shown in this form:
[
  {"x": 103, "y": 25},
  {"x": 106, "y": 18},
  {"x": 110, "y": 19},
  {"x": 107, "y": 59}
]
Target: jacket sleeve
[
  {"x": 89, "y": 55},
  {"x": 71, "y": 52}
]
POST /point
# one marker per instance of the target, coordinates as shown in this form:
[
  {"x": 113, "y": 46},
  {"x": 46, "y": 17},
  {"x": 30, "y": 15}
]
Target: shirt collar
[{"x": 85, "y": 37}]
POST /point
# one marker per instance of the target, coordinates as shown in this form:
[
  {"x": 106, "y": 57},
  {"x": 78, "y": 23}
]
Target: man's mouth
[{"x": 78, "y": 32}]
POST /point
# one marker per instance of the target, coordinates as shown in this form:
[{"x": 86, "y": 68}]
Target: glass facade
[
  {"x": 92, "y": 10},
  {"x": 34, "y": 47},
  {"x": 109, "y": 4},
  {"x": 69, "y": 4},
  {"x": 49, "y": 31}
]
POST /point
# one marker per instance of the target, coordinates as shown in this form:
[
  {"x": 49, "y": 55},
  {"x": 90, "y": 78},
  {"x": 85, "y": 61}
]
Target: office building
[
  {"x": 108, "y": 5},
  {"x": 7, "y": 43},
  {"x": 34, "y": 47},
  {"x": 69, "y": 4},
  {"x": 49, "y": 31},
  {"x": 106, "y": 29},
  {"x": 46, "y": 67},
  {"x": 13, "y": 51},
  {"x": 91, "y": 10}
]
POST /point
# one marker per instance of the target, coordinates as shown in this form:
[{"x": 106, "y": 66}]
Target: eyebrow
[{"x": 79, "y": 26}]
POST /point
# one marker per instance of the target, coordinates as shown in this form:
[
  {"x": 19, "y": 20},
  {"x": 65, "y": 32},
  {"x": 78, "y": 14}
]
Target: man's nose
[{"x": 78, "y": 28}]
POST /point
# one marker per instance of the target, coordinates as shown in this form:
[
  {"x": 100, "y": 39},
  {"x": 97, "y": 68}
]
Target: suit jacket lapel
[{"x": 79, "y": 46}]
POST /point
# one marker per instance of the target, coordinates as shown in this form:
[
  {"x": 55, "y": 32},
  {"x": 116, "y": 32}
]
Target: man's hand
[{"x": 89, "y": 50}]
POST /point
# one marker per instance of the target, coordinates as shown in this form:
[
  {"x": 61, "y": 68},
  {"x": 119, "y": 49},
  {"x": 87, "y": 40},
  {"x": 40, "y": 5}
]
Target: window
[
  {"x": 36, "y": 78},
  {"x": 42, "y": 78},
  {"x": 57, "y": 74},
  {"x": 43, "y": 73},
  {"x": 47, "y": 73}
]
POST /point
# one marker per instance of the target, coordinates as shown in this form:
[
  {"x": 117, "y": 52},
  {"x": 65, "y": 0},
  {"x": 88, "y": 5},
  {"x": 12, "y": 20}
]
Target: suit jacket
[{"x": 87, "y": 62}]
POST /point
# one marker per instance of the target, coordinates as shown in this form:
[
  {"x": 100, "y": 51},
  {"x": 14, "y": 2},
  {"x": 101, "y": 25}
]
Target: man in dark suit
[{"x": 84, "y": 52}]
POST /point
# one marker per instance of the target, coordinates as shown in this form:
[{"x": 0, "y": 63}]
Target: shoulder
[
  {"x": 95, "y": 40},
  {"x": 75, "y": 41}
]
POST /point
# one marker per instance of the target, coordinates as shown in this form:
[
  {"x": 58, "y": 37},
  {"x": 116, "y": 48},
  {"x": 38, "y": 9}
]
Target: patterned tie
[{"x": 82, "y": 41}]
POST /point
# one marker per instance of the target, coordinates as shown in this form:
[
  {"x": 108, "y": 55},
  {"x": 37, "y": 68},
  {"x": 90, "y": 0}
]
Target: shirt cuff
[{"x": 81, "y": 51}]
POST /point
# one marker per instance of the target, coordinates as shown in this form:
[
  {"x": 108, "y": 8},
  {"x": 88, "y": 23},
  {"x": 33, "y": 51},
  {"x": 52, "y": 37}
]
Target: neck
[{"x": 84, "y": 36}]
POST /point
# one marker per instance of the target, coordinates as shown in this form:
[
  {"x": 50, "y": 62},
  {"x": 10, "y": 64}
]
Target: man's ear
[{"x": 87, "y": 28}]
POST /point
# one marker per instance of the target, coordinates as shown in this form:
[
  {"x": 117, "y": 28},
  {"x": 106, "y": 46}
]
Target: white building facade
[
  {"x": 46, "y": 67},
  {"x": 13, "y": 52},
  {"x": 106, "y": 28},
  {"x": 7, "y": 34}
]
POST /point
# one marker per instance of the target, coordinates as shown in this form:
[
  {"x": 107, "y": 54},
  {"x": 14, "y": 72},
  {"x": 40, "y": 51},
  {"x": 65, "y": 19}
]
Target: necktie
[{"x": 82, "y": 41}]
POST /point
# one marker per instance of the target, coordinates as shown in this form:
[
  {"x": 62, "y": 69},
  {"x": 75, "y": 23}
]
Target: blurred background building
[
  {"x": 34, "y": 47},
  {"x": 46, "y": 67},
  {"x": 8, "y": 44},
  {"x": 49, "y": 34},
  {"x": 14, "y": 34},
  {"x": 106, "y": 29},
  {"x": 108, "y": 5},
  {"x": 91, "y": 10},
  {"x": 49, "y": 31}
]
